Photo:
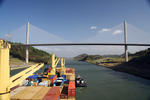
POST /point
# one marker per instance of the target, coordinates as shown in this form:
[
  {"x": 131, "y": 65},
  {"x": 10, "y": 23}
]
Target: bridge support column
[
  {"x": 4, "y": 70},
  {"x": 27, "y": 42},
  {"x": 125, "y": 42}
]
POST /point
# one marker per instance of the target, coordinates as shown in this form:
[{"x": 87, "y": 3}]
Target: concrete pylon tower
[
  {"x": 125, "y": 41},
  {"x": 27, "y": 42}
]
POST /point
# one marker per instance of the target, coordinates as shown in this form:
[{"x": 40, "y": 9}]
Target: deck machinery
[{"x": 57, "y": 84}]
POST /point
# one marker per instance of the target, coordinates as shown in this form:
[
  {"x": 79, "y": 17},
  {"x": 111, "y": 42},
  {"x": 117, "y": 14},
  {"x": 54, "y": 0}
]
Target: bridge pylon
[
  {"x": 27, "y": 42},
  {"x": 125, "y": 42}
]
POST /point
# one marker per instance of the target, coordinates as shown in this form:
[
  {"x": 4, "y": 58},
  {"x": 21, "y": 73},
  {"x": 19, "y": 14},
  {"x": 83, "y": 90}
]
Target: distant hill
[
  {"x": 35, "y": 55},
  {"x": 84, "y": 57},
  {"x": 81, "y": 57},
  {"x": 117, "y": 55},
  {"x": 111, "y": 55},
  {"x": 139, "y": 65}
]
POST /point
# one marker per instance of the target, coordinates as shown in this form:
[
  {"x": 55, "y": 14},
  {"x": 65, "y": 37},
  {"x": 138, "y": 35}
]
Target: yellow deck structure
[
  {"x": 25, "y": 92},
  {"x": 7, "y": 82},
  {"x": 4, "y": 70}
]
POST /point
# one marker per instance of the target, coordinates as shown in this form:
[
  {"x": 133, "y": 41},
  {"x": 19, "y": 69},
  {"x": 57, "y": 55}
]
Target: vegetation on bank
[
  {"x": 35, "y": 55},
  {"x": 16, "y": 63},
  {"x": 86, "y": 57},
  {"x": 139, "y": 63},
  {"x": 98, "y": 59}
]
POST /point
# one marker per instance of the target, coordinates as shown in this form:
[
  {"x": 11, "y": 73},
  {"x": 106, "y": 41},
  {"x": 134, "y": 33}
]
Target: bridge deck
[{"x": 86, "y": 44}]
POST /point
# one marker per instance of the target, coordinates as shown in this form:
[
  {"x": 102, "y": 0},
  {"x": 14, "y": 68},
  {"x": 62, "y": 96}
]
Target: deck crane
[
  {"x": 54, "y": 62},
  {"x": 7, "y": 82}
]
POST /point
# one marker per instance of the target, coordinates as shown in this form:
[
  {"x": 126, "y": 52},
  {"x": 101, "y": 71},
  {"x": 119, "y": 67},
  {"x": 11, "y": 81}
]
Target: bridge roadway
[{"x": 86, "y": 44}]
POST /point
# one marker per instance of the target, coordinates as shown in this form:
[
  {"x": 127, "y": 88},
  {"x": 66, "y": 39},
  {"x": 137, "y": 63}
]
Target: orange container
[
  {"x": 71, "y": 92},
  {"x": 71, "y": 85},
  {"x": 70, "y": 70},
  {"x": 71, "y": 88},
  {"x": 54, "y": 91},
  {"x": 52, "y": 94},
  {"x": 51, "y": 97}
]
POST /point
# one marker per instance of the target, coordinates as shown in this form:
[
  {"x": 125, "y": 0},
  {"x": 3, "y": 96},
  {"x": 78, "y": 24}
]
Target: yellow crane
[
  {"x": 62, "y": 66},
  {"x": 54, "y": 62},
  {"x": 7, "y": 82}
]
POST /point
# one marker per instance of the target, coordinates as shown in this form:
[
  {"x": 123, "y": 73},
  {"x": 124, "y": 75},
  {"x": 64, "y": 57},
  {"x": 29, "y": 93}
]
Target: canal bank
[
  {"x": 128, "y": 68},
  {"x": 107, "y": 84}
]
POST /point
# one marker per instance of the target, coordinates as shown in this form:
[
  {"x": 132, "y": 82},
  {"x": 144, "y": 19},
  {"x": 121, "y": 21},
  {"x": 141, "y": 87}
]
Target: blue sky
[
  {"x": 72, "y": 19},
  {"x": 76, "y": 20}
]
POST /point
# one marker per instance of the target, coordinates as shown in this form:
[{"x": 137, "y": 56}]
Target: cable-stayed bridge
[{"x": 105, "y": 40}]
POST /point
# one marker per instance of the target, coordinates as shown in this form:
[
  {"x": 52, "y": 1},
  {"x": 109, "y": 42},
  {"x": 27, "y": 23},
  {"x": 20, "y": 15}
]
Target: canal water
[{"x": 106, "y": 84}]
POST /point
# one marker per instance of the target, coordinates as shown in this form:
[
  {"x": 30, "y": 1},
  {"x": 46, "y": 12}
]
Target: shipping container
[
  {"x": 54, "y": 90},
  {"x": 52, "y": 94},
  {"x": 51, "y": 97},
  {"x": 71, "y": 93},
  {"x": 64, "y": 76},
  {"x": 53, "y": 78},
  {"x": 70, "y": 70},
  {"x": 45, "y": 83},
  {"x": 64, "y": 93},
  {"x": 33, "y": 76},
  {"x": 41, "y": 78},
  {"x": 71, "y": 88},
  {"x": 71, "y": 85}
]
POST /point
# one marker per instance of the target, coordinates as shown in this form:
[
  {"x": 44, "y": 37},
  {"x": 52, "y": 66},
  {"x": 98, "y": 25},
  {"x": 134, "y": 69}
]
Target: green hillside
[
  {"x": 139, "y": 62},
  {"x": 35, "y": 55},
  {"x": 138, "y": 65},
  {"x": 86, "y": 57}
]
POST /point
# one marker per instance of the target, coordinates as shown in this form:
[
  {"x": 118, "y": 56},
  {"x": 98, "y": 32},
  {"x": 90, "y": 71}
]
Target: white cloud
[
  {"x": 51, "y": 49},
  {"x": 8, "y": 36},
  {"x": 104, "y": 30},
  {"x": 93, "y": 27},
  {"x": 117, "y": 32}
]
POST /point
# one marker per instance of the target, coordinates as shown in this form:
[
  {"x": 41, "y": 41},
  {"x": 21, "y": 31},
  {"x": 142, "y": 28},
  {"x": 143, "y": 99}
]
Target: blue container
[
  {"x": 52, "y": 76},
  {"x": 64, "y": 76},
  {"x": 33, "y": 76}
]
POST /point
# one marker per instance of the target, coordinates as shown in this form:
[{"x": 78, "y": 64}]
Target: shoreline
[
  {"x": 120, "y": 67},
  {"x": 15, "y": 67},
  {"x": 20, "y": 67}
]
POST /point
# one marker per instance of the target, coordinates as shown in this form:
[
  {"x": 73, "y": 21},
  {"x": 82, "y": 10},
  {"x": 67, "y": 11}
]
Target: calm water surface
[{"x": 106, "y": 84}]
